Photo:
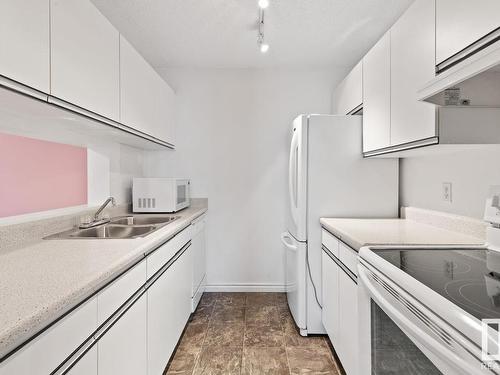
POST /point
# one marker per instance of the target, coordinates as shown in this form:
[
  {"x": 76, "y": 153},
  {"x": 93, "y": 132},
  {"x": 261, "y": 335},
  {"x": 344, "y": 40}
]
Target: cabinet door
[
  {"x": 377, "y": 95},
  {"x": 412, "y": 65},
  {"x": 169, "y": 307},
  {"x": 84, "y": 57},
  {"x": 198, "y": 249},
  {"x": 459, "y": 23},
  {"x": 147, "y": 102},
  {"x": 330, "y": 290},
  {"x": 24, "y": 42},
  {"x": 87, "y": 365},
  {"x": 348, "y": 315},
  {"x": 123, "y": 349},
  {"x": 349, "y": 93}
]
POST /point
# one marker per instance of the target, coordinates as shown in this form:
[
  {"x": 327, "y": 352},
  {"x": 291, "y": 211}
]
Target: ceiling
[{"x": 223, "y": 33}]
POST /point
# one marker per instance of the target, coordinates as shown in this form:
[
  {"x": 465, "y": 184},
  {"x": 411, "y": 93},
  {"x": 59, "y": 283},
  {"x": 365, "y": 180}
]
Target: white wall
[
  {"x": 470, "y": 172},
  {"x": 232, "y": 141},
  {"x": 111, "y": 167}
]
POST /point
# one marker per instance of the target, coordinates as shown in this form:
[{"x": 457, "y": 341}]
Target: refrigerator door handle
[
  {"x": 284, "y": 239},
  {"x": 292, "y": 176}
]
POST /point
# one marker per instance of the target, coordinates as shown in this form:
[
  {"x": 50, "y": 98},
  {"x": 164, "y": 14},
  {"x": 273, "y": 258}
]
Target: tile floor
[{"x": 248, "y": 333}]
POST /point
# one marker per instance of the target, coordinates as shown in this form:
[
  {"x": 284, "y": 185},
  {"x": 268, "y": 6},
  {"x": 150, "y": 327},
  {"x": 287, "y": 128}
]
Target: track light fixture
[
  {"x": 264, "y": 47},
  {"x": 263, "y": 4}
]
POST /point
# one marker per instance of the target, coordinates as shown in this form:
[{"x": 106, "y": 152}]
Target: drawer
[
  {"x": 115, "y": 294},
  {"x": 330, "y": 242},
  {"x": 349, "y": 257},
  {"x": 195, "y": 300},
  {"x": 159, "y": 257},
  {"x": 198, "y": 225},
  {"x": 47, "y": 351}
]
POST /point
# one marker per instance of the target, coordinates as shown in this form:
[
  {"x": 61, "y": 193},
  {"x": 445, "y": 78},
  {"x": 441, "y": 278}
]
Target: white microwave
[{"x": 160, "y": 194}]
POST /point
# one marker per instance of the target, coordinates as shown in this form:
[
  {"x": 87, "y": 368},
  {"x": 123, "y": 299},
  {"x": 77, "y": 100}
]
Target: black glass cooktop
[{"x": 468, "y": 278}]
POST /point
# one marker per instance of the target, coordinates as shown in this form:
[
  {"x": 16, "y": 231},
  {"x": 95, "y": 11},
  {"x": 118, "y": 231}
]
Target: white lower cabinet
[
  {"x": 123, "y": 349},
  {"x": 330, "y": 312},
  {"x": 348, "y": 316},
  {"x": 129, "y": 333},
  {"x": 198, "y": 255},
  {"x": 87, "y": 365},
  {"x": 340, "y": 302},
  {"x": 47, "y": 351},
  {"x": 169, "y": 307}
]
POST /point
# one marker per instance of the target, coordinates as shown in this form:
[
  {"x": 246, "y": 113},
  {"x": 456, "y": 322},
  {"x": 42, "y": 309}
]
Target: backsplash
[
  {"x": 39, "y": 175},
  {"x": 471, "y": 173}
]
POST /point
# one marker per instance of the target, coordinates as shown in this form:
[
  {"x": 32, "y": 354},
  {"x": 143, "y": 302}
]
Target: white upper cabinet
[
  {"x": 412, "y": 65},
  {"x": 24, "y": 42},
  {"x": 348, "y": 95},
  {"x": 377, "y": 95},
  {"x": 147, "y": 102},
  {"x": 460, "y": 23},
  {"x": 85, "y": 57}
]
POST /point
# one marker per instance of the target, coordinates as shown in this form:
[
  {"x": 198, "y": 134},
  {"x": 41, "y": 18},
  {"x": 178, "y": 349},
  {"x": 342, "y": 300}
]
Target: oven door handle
[{"x": 452, "y": 359}]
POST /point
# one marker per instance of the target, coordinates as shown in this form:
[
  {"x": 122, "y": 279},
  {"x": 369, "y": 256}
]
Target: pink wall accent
[{"x": 40, "y": 175}]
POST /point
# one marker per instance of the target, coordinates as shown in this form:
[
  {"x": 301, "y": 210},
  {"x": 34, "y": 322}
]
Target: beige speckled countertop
[
  {"x": 362, "y": 232},
  {"x": 41, "y": 282}
]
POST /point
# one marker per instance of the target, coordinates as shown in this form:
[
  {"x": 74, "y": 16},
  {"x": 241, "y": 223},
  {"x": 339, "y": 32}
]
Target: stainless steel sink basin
[
  {"x": 122, "y": 227},
  {"x": 112, "y": 231},
  {"x": 143, "y": 220}
]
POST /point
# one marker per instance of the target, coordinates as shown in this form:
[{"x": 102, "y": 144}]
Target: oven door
[
  {"x": 398, "y": 335},
  {"x": 182, "y": 194}
]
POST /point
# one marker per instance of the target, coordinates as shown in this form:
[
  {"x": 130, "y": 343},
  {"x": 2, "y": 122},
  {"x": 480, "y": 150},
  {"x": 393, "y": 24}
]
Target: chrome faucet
[
  {"x": 96, "y": 221},
  {"x": 103, "y": 206}
]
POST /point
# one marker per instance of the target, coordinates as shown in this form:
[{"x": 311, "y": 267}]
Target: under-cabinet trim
[
  {"x": 355, "y": 110},
  {"x": 341, "y": 265},
  {"x": 403, "y": 147},
  {"x": 20, "y": 88},
  {"x": 339, "y": 239},
  {"x": 471, "y": 49}
]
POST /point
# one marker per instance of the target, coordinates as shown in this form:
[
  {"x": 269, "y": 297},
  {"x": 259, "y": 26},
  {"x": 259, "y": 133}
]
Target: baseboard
[{"x": 277, "y": 288}]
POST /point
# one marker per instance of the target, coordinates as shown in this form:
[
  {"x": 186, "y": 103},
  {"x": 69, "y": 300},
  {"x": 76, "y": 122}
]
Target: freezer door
[
  {"x": 297, "y": 179},
  {"x": 295, "y": 259}
]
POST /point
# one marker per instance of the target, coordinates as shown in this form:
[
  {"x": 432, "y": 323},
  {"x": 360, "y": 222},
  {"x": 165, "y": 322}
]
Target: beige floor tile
[
  {"x": 281, "y": 298},
  {"x": 183, "y": 362},
  {"x": 209, "y": 299},
  {"x": 232, "y": 299},
  {"x": 254, "y": 299},
  {"x": 215, "y": 360},
  {"x": 293, "y": 337},
  {"x": 311, "y": 361},
  {"x": 202, "y": 314},
  {"x": 264, "y": 336},
  {"x": 193, "y": 336},
  {"x": 264, "y": 361},
  {"x": 225, "y": 334},
  {"x": 264, "y": 315},
  {"x": 228, "y": 314}
]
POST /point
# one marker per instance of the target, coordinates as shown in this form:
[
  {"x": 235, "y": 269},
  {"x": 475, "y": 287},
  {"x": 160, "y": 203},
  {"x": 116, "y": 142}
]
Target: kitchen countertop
[
  {"x": 363, "y": 232},
  {"x": 41, "y": 282}
]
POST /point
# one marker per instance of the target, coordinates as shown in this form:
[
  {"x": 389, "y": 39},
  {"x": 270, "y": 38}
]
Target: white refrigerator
[{"x": 328, "y": 177}]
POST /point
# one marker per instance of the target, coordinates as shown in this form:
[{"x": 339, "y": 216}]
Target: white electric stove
[{"x": 433, "y": 309}]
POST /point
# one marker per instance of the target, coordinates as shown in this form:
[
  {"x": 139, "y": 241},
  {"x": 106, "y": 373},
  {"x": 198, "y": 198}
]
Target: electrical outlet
[{"x": 447, "y": 192}]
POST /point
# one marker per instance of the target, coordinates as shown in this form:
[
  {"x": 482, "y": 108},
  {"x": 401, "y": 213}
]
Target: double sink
[{"x": 133, "y": 226}]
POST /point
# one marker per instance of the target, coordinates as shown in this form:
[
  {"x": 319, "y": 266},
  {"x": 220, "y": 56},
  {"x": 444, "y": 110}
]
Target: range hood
[{"x": 473, "y": 80}]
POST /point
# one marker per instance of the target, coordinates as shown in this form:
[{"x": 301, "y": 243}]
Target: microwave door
[{"x": 182, "y": 194}]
